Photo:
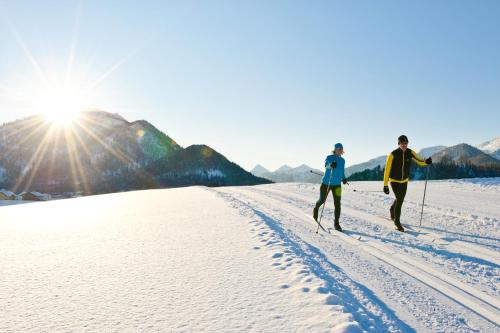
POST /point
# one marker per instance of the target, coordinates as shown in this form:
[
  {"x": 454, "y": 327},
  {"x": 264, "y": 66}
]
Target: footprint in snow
[{"x": 332, "y": 300}]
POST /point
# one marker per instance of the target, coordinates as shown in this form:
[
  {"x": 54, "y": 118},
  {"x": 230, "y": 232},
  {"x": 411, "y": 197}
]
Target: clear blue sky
[{"x": 269, "y": 82}]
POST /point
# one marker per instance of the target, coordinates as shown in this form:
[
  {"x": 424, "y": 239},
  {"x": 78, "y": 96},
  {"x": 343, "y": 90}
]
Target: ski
[
  {"x": 396, "y": 228},
  {"x": 320, "y": 225},
  {"x": 419, "y": 234},
  {"x": 345, "y": 233},
  {"x": 391, "y": 220}
]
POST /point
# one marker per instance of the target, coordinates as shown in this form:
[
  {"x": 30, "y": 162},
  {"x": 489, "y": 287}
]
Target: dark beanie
[{"x": 402, "y": 138}]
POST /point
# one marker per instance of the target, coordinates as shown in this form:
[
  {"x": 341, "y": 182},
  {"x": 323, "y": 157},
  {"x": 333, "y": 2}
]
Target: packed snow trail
[
  {"x": 445, "y": 284},
  {"x": 482, "y": 268}
]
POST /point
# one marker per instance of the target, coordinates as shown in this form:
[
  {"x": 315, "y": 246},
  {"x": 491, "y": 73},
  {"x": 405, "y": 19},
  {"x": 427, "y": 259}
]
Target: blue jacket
[{"x": 338, "y": 173}]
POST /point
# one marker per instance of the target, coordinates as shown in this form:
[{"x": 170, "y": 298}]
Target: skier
[
  {"x": 397, "y": 171},
  {"x": 334, "y": 175}
]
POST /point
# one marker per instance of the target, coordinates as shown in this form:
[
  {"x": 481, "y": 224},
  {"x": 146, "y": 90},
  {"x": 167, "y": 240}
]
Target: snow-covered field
[{"x": 244, "y": 259}]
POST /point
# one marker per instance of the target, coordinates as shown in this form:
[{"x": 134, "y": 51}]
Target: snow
[
  {"x": 259, "y": 170},
  {"x": 370, "y": 164},
  {"x": 248, "y": 259},
  {"x": 490, "y": 146},
  {"x": 12, "y": 202},
  {"x": 210, "y": 173},
  {"x": 429, "y": 151}
]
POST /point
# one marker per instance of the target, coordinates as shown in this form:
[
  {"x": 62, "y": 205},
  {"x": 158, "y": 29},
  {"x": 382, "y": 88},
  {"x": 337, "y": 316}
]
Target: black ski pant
[
  {"x": 399, "y": 190},
  {"x": 323, "y": 193}
]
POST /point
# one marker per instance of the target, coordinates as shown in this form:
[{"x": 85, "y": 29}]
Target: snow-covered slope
[
  {"x": 429, "y": 151},
  {"x": 235, "y": 259},
  {"x": 287, "y": 174},
  {"x": 491, "y": 147},
  {"x": 370, "y": 164},
  {"x": 462, "y": 153},
  {"x": 259, "y": 170}
]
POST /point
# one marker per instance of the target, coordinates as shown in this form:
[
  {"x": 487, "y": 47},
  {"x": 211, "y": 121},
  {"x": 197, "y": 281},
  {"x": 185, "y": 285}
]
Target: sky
[{"x": 266, "y": 82}]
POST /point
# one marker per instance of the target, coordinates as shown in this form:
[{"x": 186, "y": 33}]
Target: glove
[
  {"x": 428, "y": 160},
  {"x": 333, "y": 165},
  {"x": 386, "y": 189},
  {"x": 344, "y": 181}
]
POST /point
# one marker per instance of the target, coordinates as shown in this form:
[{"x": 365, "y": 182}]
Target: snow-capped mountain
[
  {"x": 370, "y": 164},
  {"x": 491, "y": 147},
  {"x": 284, "y": 168},
  {"x": 465, "y": 153},
  {"x": 259, "y": 170},
  {"x": 103, "y": 152},
  {"x": 428, "y": 152},
  {"x": 287, "y": 174}
]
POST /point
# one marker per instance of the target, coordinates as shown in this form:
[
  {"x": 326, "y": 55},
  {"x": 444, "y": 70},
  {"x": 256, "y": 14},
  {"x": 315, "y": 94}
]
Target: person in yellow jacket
[{"x": 397, "y": 172}]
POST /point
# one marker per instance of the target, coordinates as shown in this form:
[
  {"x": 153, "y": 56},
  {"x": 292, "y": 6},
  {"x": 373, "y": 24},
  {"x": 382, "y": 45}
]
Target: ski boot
[
  {"x": 315, "y": 214},
  {"x": 337, "y": 226},
  {"x": 399, "y": 227}
]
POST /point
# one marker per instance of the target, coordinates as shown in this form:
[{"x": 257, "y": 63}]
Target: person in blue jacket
[{"x": 334, "y": 175}]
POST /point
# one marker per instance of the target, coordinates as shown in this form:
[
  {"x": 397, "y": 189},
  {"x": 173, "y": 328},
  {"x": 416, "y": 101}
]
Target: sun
[{"x": 60, "y": 105}]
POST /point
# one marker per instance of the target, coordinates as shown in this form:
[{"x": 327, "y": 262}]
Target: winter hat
[
  {"x": 339, "y": 146},
  {"x": 402, "y": 138}
]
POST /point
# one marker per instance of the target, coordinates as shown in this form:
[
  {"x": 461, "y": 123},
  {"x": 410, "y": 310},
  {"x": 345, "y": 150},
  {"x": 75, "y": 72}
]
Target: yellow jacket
[{"x": 397, "y": 166}]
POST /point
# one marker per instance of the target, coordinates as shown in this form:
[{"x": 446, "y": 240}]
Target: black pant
[
  {"x": 337, "y": 193},
  {"x": 399, "y": 190}
]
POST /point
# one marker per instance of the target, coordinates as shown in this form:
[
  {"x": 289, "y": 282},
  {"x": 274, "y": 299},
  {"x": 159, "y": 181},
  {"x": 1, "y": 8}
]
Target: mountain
[
  {"x": 202, "y": 165},
  {"x": 491, "y": 147},
  {"x": 428, "y": 152},
  {"x": 259, "y": 170},
  {"x": 287, "y": 174},
  {"x": 370, "y": 164},
  {"x": 464, "y": 153},
  {"x": 103, "y": 152}
]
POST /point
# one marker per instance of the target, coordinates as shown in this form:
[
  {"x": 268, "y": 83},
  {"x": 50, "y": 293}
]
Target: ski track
[
  {"x": 431, "y": 310},
  {"x": 370, "y": 312},
  {"x": 433, "y": 248},
  {"x": 453, "y": 223}
]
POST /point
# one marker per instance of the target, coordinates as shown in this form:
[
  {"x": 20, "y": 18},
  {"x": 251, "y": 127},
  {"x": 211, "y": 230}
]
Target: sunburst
[
  {"x": 60, "y": 104},
  {"x": 60, "y": 96}
]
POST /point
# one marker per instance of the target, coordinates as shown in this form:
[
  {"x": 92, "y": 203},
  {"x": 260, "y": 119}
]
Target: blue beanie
[{"x": 339, "y": 146}]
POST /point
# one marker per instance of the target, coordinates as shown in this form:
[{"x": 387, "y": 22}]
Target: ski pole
[
  {"x": 324, "y": 203},
  {"x": 423, "y": 200},
  {"x": 316, "y": 173}
]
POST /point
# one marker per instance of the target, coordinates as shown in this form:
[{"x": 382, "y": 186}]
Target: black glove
[
  {"x": 386, "y": 189},
  {"x": 333, "y": 164},
  {"x": 428, "y": 160},
  {"x": 344, "y": 181}
]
